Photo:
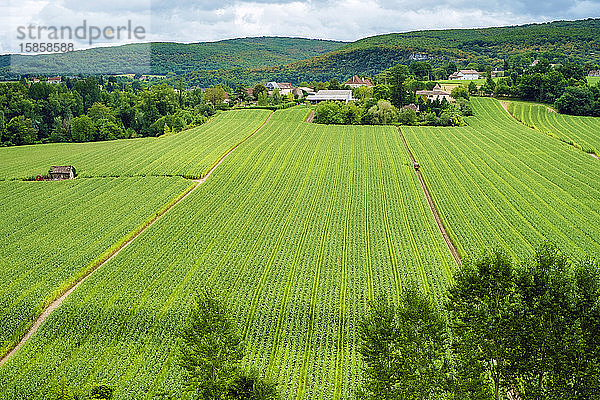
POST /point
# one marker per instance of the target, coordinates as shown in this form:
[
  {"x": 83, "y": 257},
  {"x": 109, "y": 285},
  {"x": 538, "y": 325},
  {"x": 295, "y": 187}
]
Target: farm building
[
  {"x": 436, "y": 94},
  {"x": 356, "y": 81},
  {"x": 330, "y": 95},
  {"x": 465, "y": 74},
  {"x": 285, "y": 88},
  {"x": 302, "y": 91},
  {"x": 57, "y": 173},
  {"x": 594, "y": 73}
]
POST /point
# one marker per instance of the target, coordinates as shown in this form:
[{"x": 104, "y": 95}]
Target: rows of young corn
[
  {"x": 52, "y": 233},
  {"x": 582, "y": 132},
  {"x": 299, "y": 227},
  {"x": 189, "y": 153},
  {"x": 500, "y": 184}
]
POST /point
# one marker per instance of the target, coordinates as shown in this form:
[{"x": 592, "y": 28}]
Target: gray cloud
[{"x": 204, "y": 20}]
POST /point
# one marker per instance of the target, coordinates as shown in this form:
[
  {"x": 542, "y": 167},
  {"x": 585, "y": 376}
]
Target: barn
[{"x": 58, "y": 173}]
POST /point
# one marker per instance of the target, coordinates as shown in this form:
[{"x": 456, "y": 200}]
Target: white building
[
  {"x": 285, "y": 88},
  {"x": 436, "y": 94},
  {"x": 330, "y": 95},
  {"x": 465, "y": 75}
]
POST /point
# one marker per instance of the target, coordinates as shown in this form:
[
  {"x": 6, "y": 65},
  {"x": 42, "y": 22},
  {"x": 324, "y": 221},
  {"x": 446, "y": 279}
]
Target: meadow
[{"x": 190, "y": 153}]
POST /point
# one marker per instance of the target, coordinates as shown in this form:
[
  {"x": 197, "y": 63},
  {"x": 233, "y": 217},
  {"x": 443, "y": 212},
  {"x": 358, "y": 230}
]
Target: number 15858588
[{"x": 56, "y": 47}]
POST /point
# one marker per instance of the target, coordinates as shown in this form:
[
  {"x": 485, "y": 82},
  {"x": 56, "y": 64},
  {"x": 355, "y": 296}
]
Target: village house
[
  {"x": 465, "y": 74},
  {"x": 285, "y": 88},
  {"x": 594, "y": 73},
  {"x": 58, "y": 173},
  {"x": 436, "y": 94},
  {"x": 356, "y": 81},
  {"x": 330, "y": 95},
  {"x": 55, "y": 79}
]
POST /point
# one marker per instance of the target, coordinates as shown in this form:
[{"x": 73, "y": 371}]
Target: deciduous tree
[{"x": 403, "y": 349}]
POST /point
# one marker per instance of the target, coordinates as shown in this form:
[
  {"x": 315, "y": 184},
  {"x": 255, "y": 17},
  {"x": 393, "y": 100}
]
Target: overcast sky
[{"x": 204, "y": 20}]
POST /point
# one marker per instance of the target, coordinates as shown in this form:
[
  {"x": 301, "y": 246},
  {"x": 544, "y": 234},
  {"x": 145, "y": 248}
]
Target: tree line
[
  {"x": 385, "y": 102},
  {"x": 564, "y": 86},
  {"x": 503, "y": 330},
  {"x": 93, "y": 109}
]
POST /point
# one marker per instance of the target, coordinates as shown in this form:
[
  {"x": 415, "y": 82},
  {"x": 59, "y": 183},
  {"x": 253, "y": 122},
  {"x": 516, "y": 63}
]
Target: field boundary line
[
  {"x": 113, "y": 251},
  {"x": 505, "y": 105},
  {"x": 220, "y": 160},
  {"x": 432, "y": 206}
]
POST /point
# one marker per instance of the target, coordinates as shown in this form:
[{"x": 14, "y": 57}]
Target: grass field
[
  {"x": 582, "y": 132},
  {"x": 300, "y": 226},
  {"x": 188, "y": 153},
  {"x": 53, "y": 231},
  {"x": 593, "y": 80},
  {"x": 498, "y": 183}
]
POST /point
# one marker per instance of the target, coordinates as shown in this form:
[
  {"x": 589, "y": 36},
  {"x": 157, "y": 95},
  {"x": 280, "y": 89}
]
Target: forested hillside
[
  {"x": 162, "y": 58},
  {"x": 253, "y": 60},
  {"x": 558, "y": 42}
]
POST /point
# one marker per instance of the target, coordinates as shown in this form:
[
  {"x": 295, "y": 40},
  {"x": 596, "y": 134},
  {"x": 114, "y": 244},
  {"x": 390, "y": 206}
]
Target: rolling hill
[
  {"x": 559, "y": 42},
  {"x": 162, "y": 58},
  {"x": 253, "y": 60}
]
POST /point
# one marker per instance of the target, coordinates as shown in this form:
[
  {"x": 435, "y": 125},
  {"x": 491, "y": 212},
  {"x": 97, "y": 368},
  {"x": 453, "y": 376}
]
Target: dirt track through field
[
  {"x": 56, "y": 303},
  {"x": 432, "y": 206},
  {"x": 310, "y": 116}
]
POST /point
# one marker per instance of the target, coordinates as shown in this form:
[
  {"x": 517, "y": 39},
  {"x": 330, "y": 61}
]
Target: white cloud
[{"x": 205, "y": 20}]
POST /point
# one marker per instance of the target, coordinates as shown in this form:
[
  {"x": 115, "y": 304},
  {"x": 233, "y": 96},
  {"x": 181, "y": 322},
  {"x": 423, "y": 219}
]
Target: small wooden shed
[{"x": 58, "y": 173}]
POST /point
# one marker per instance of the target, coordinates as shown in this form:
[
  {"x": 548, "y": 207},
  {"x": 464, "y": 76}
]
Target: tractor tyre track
[{"x": 432, "y": 206}]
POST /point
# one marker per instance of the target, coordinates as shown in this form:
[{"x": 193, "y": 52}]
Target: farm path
[
  {"x": 432, "y": 206},
  {"x": 310, "y": 117},
  {"x": 57, "y": 303}
]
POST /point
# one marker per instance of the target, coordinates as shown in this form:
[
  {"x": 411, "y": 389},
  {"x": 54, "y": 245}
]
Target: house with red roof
[{"x": 357, "y": 81}]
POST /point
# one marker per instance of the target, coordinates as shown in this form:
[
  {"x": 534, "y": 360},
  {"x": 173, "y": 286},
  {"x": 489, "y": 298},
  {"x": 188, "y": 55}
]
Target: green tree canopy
[
  {"x": 210, "y": 347},
  {"x": 403, "y": 349},
  {"x": 20, "y": 130}
]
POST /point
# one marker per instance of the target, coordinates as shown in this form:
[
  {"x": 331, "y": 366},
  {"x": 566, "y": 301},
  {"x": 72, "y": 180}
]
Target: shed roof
[
  {"x": 61, "y": 169},
  {"x": 323, "y": 95}
]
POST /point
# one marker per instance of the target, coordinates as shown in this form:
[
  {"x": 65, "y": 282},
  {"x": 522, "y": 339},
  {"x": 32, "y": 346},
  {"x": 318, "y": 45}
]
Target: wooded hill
[
  {"x": 559, "y": 42},
  {"x": 161, "y": 58},
  {"x": 253, "y": 60}
]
